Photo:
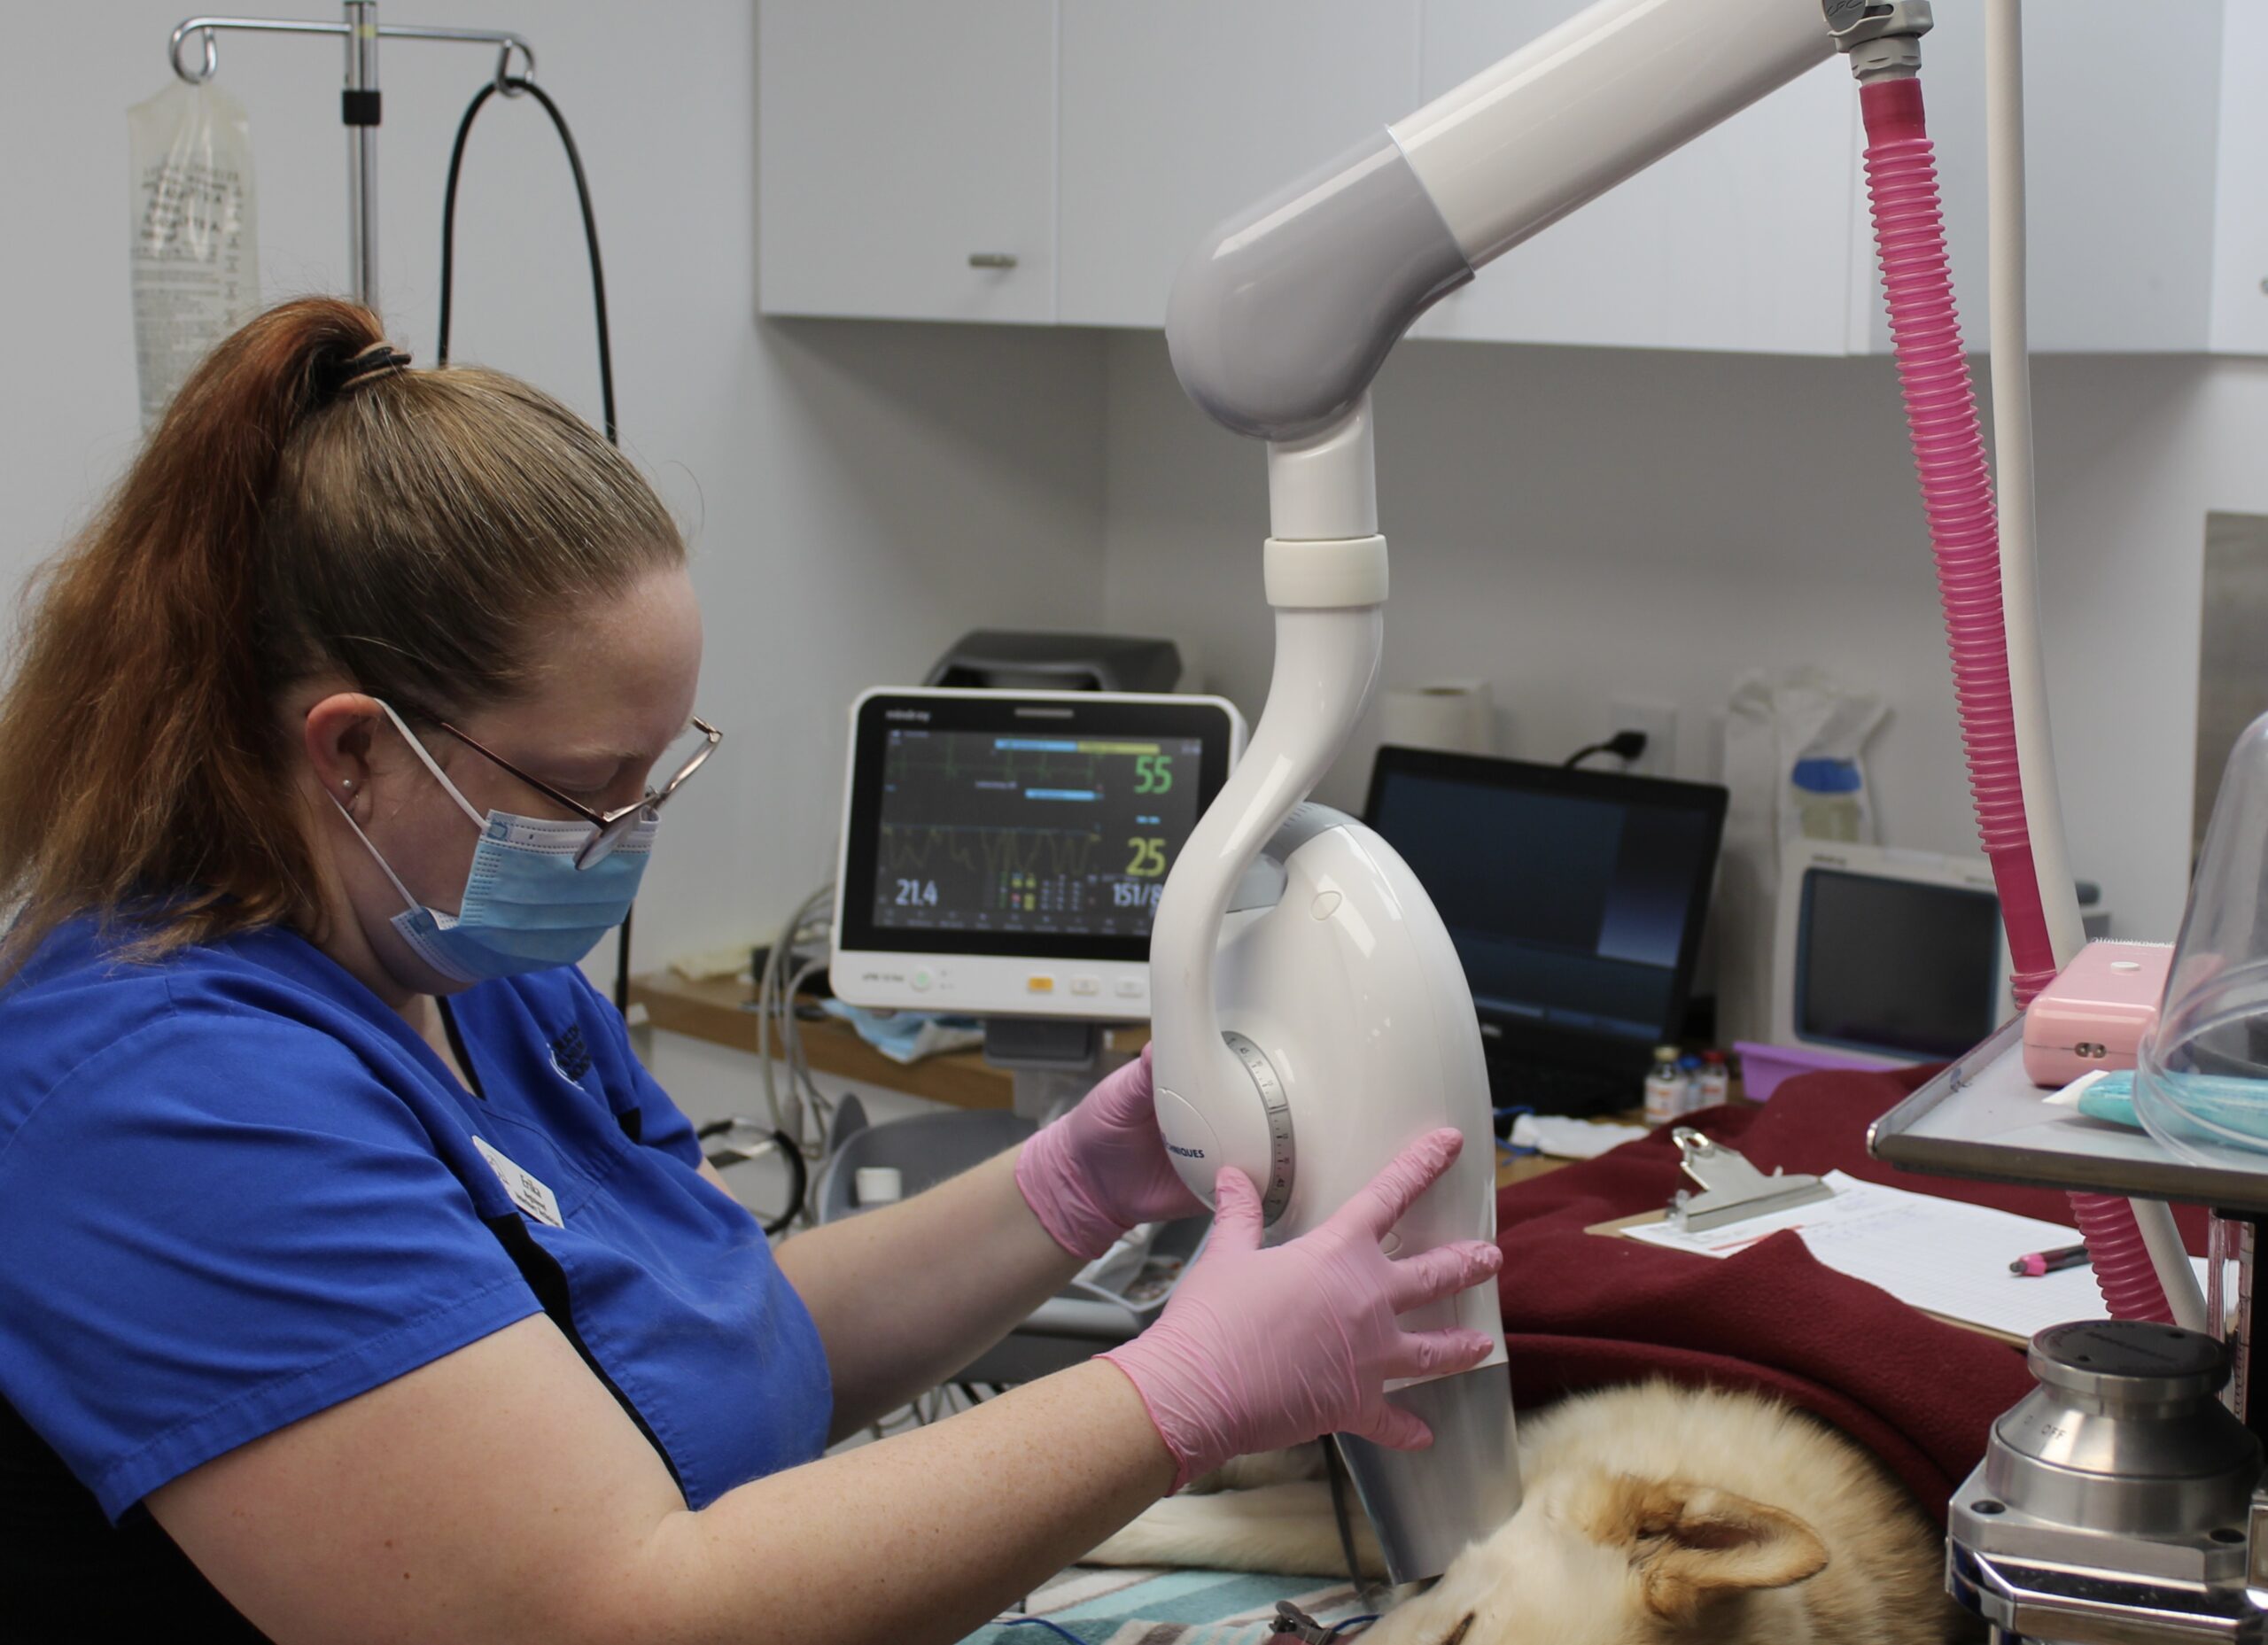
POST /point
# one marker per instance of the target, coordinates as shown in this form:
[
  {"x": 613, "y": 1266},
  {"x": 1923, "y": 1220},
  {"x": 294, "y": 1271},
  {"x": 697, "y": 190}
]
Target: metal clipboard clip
[{"x": 1732, "y": 1190}]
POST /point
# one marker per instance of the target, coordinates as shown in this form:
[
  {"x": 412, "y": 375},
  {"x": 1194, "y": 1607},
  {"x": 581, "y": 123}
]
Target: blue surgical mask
[{"x": 526, "y": 906}]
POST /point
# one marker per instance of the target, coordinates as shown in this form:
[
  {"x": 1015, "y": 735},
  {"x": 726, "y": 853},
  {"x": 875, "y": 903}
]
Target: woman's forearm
[
  {"x": 906, "y": 1296},
  {"x": 922, "y": 1537},
  {"x": 499, "y": 1495}
]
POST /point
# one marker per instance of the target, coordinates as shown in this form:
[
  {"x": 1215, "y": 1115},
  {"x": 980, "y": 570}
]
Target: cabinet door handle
[{"x": 992, "y": 260}]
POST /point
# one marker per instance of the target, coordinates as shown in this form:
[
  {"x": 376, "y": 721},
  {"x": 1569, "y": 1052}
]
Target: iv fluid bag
[{"x": 195, "y": 252}]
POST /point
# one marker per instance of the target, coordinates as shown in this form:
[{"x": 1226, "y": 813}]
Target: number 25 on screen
[
  {"x": 1152, "y": 773},
  {"x": 1149, "y": 856}
]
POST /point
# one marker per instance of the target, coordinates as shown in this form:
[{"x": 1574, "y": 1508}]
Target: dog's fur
[{"x": 1653, "y": 1515}]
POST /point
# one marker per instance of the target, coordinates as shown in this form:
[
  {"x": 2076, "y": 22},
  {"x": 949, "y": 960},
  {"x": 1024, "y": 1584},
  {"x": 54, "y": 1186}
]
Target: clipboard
[{"x": 1945, "y": 1257}]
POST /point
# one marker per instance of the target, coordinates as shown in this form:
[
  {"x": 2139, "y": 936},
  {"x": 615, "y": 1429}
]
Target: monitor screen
[
  {"x": 1019, "y": 833},
  {"x": 1895, "y": 965},
  {"x": 1574, "y": 898},
  {"x": 1005, "y": 824}
]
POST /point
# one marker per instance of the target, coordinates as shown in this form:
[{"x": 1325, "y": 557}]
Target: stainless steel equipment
[
  {"x": 2113, "y": 1505},
  {"x": 2119, "y": 1503}
]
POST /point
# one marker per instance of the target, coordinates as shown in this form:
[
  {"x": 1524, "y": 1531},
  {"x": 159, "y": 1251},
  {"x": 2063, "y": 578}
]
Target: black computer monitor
[{"x": 1575, "y": 898}]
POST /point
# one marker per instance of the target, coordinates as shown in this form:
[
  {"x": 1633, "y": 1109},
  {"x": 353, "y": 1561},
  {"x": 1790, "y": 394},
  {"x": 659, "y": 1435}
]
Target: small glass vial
[
  {"x": 1714, "y": 1083},
  {"x": 1665, "y": 1087}
]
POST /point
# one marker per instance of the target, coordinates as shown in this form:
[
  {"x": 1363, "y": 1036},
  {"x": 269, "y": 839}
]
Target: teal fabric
[
  {"x": 2217, "y": 1108},
  {"x": 2111, "y": 1098},
  {"x": 1170, "y": 1608}
]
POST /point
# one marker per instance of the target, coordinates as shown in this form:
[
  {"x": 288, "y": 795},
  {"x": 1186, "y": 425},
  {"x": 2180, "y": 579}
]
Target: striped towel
[{"x": 1099, "y": 1606}]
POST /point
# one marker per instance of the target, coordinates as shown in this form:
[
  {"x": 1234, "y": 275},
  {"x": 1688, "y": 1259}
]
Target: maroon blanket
[{"x": 1581, "y": 1311}]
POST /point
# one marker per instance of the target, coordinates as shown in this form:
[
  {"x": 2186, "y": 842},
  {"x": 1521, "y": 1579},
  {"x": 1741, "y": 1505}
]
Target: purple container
[{"x": 1762, "y": 1067}]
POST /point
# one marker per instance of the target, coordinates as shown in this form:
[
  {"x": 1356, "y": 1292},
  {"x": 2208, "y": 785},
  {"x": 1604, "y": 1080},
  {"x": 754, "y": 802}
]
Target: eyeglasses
[{"x": 613, "y": 827}]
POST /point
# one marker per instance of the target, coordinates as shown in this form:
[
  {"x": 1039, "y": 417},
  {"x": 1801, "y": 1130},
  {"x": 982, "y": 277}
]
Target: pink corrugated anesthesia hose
[{"x": 1964, "y": 537}]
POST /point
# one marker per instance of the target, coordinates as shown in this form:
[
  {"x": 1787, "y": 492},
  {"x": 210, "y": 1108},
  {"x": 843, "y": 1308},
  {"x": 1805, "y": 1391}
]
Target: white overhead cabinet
[
  {"x": 1755, "y": 236},
  {"x": 2122, "y": 119},
  {"x": 1052, "y": 161},
  {"x": 1175, "y": 114},
  {"x": 1740, "y": 240},
  {"x": 906, "y": 165},
  {"x": 2240, "y": 304}
]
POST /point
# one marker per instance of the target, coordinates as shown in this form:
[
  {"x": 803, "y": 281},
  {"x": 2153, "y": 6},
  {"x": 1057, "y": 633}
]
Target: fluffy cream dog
[{"x": 1654, "y": 1515}]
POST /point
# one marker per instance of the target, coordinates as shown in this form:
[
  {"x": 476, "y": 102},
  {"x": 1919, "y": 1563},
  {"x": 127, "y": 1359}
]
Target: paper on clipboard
[{"x": 1942, "y": 1256}]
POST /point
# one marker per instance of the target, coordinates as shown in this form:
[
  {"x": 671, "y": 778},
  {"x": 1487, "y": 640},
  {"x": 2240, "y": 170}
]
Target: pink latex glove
[
  {"x": 1258, "y": 1349},
  {"x": 1103, "y": 1167}
]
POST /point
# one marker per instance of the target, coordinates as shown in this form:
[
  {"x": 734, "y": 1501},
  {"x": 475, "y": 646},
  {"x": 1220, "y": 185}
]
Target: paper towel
[{"x": 1458, "y": 715}]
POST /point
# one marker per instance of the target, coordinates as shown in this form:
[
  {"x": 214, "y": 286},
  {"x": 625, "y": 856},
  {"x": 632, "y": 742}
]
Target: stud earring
[{"x": 347, "y": 783}]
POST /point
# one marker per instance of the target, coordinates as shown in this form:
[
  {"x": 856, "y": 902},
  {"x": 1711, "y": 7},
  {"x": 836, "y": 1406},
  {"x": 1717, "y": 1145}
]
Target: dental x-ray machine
[{"x": 1306, "y": 1039}]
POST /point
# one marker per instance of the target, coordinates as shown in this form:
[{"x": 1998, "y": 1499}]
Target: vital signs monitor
[{"x": 1002, "y": 852}]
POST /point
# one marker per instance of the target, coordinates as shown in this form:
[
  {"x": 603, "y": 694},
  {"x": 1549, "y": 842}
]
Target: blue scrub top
[{"x": 234, "y": 1190}]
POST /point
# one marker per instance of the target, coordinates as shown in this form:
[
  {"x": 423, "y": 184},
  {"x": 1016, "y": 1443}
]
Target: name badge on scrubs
[{"x": 528, "y": 1191}]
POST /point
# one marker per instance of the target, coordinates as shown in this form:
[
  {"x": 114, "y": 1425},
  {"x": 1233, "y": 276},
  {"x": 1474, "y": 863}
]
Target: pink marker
[{"x": 2039, "y": 1262}]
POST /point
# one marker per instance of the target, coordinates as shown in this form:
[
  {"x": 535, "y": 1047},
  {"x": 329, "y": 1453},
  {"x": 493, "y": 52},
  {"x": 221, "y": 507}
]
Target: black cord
[
  {"x": 784, "y": 1146},
  {"x": 1624, "y": 745},
  {"x": 590, "y": 235},
  {"x": 622, "y": 961},
  {"x": 515, "y": 83}
]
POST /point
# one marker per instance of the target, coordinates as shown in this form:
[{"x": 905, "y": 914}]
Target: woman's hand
[
  {"x": 1103, "y": 1167},
  {"x": 1258, "y": 1349}
]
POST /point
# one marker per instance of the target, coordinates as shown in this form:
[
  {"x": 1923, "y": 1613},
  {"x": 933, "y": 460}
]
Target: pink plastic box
[{"x": 2094, "y": 1013}]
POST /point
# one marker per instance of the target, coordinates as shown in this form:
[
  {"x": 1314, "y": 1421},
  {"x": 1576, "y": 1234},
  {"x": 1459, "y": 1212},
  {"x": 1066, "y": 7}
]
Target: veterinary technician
[{"x": 355, "y": 1281}]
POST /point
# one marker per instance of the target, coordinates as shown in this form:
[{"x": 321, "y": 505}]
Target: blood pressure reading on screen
[{"x": 1022, "y": 831}]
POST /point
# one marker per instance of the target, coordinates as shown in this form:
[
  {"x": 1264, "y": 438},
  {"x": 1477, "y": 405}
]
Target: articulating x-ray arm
[
  {"x": 1277, "y": 326},
  {"x": 1280, "y": 319},
  {"x": 1352, "y": 1030}
]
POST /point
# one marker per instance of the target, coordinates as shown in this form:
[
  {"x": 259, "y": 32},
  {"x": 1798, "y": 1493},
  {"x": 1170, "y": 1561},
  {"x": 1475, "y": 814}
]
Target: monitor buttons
[
  {"x": 1086, "y": 987},
  {"x": 1039, "y": 983},
  {"x": 1131, "y": 988},
  {"x": 921, "y": 979}
]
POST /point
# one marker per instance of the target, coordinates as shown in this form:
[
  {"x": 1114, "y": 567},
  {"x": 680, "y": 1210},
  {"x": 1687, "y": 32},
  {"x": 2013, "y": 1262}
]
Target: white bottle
[
  {"x": 1665, "y": 1087},
  {"x": 1713, "y": 1085}
]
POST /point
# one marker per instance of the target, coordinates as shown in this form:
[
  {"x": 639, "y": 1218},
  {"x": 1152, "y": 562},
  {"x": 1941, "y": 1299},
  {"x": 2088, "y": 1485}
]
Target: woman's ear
[{"x": 338, "y": 733}]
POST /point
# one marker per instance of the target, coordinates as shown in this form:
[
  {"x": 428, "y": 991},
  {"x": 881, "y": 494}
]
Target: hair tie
[{"x": 381, "y": 356}]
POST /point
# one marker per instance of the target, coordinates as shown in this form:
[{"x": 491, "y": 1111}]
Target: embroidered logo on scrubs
[
  {"x": 526, "y": 1188},
  {"x": 569, "y": 1057}
]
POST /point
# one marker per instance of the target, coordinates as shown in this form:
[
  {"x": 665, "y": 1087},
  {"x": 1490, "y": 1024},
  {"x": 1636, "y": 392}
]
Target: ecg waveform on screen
[
  {"x": 943, "y": 758},
  {"x": 1049, "y": 833},
  {"x": 989, "y": 851}
]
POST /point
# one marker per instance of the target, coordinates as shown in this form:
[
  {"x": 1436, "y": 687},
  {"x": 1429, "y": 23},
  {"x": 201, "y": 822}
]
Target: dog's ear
[{"x": 1693, "y": 1545}]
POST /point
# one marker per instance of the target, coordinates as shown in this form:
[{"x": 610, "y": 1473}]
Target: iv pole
[{"x": 358, "y": 102}]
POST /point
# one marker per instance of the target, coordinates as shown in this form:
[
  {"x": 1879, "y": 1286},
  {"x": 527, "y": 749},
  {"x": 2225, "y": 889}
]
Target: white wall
[
  {"x": 1565, "y": 522},
  {"x": 1571, "y": 522},
  {"x": 857, "y": 494}
]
